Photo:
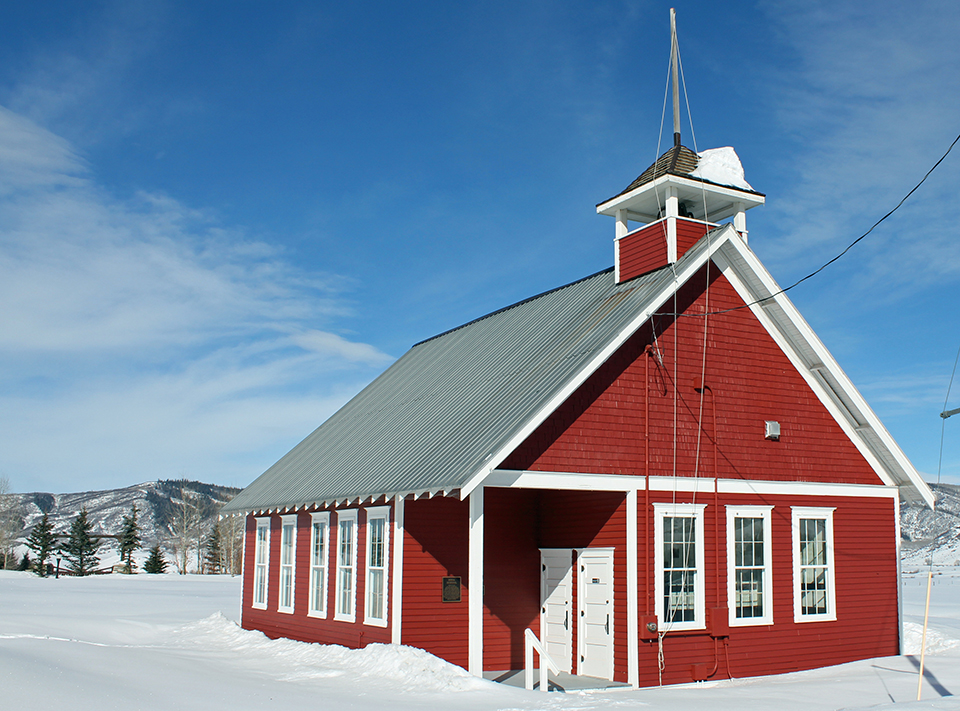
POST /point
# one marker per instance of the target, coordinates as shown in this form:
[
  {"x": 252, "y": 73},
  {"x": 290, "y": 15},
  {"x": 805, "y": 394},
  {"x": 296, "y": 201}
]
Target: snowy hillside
[
  {"x": 157, "y": 503},
  {"x": 932, "y": 535}
]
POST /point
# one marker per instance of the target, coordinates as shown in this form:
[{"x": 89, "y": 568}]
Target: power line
[{"x": 849, "y": 247}]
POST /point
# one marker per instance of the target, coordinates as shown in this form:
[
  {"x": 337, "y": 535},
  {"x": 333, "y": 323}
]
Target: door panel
[
  {"x": 595, "y": 593},
  {"x": 556, "y": 601}
]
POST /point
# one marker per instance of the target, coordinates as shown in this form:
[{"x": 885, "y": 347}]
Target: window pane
[
  {"x": 679, "y": 597},
  {"x": 376, "y": 594},
  {"x": 376, "y": 542}
]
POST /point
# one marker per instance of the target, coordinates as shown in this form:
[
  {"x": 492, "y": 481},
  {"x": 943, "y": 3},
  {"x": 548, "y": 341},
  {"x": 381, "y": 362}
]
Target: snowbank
[{"x": 164, "y": 642}]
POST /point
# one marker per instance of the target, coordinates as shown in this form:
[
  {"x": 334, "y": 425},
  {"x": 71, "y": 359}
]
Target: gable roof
[{"x": 443, "y": 416}]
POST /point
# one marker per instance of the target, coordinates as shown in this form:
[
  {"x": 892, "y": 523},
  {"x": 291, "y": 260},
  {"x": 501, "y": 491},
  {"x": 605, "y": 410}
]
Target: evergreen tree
[
  {"x": 24, "y": 562},
  {"x": 130, "y": 540},
  {"x": 80, "y": 550},
  {"x": 155, "y": 562},
  {"x": 214, "y": 552},
  {"x": 42, "y": 542}
]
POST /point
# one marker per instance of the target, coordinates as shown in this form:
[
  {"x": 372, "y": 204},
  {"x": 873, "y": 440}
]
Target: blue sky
[{"x": 219, "y": 220}]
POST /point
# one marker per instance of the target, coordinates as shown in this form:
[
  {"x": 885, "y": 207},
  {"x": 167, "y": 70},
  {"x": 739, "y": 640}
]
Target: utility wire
[{"x": 849, "y": 247}]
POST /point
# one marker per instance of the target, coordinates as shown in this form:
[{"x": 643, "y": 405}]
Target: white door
[
  {"x": 595, "y": 596},
  {"x": 556, "y": 601}
]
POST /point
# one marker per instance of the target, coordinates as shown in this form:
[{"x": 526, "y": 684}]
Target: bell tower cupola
[{"x": 677, "y": 200}]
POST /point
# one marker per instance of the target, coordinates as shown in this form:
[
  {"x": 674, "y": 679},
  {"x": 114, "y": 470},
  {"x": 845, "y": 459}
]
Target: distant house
[{"x": 659, "y": 461}]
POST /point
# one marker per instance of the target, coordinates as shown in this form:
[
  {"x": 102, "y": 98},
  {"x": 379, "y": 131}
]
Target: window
[
  {"x": 261, "y": 563},
  {"x": 346, "y": 565},
  {"x": 320, "y": 524},
  {"x": 288, "y": 556},
  {"x": 749, "y": 584},
  {"x": 678, "y": 553},
  {"x": 376, "y": 580},
  {"x": 814, "y": 597}
]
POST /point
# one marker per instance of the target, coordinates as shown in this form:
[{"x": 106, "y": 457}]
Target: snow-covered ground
[{"x": 157, "y": 643}]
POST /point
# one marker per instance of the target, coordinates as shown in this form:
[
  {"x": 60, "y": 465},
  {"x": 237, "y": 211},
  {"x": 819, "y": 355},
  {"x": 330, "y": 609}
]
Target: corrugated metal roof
[{"x": 439, "y": 413}]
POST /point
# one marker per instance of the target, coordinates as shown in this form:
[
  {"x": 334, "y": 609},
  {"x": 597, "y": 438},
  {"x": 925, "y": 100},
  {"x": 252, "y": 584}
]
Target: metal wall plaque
[{"x": 451, "y": 589}]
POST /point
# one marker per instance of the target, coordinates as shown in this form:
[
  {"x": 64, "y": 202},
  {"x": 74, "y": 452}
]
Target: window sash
[
  {"x": 261, "y": 557},
  {"x": 319, "y": 535},
  {"x": 375, "y": 610},
  {"x": 288, "y": 544},
  {"x": 749, "y": 565},
  {"x": 679, "y": 561},
  {"x": 346, "y": 565},
  {"x": 813, "y": 565}
]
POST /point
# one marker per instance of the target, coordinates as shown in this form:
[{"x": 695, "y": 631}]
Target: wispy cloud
[
  {"x": 140, "y": 338},
  {"x": 869, "y": 95}
]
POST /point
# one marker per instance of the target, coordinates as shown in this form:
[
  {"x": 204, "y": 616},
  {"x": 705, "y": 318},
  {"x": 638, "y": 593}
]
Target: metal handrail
[{"x": 531, "y": 642}]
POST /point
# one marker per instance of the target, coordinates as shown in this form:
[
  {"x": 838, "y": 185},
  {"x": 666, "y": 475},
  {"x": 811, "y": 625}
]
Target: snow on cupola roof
[
  {"x": 709, "y": 186},
  {"x": 720, "y": 166}
]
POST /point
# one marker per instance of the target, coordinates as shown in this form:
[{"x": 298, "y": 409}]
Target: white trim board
[{"x": 571, "y": 481}]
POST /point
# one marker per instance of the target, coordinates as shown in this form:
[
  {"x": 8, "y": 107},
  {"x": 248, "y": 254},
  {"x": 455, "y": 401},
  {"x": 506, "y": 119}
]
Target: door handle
[
  {"x": 606, "y": 627},
  {"x": 566, "y": 620}
]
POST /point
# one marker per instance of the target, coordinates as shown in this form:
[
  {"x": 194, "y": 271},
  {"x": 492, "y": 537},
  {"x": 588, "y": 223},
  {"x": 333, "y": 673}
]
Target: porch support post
[
  {"x": 896, "y": 518},
  {"x": 633, "y": 590},
  {"x": 397, "y": 596},
  {"x": 475, "y": 589}
]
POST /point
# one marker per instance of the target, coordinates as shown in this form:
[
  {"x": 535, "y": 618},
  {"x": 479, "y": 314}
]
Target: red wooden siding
[
  {"x": 646, "y": 249},
  {"x": 511, "y": 567},
  {"x": 436, "y": 541},
  {"x": 643, "y": 251},
  {"x": 298, "y": 625},
  {"x": 866, "y": 596},
  {"x": 600, "y": 428},
  {"x": 689, "y": 233}
]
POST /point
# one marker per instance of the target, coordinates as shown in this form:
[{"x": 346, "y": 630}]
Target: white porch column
[
  {"x": 633, "y": 608},
  {"x": 475, "y": 608},
  {"x": 397, "y": 590},
  {"x": 672, "y": 209},
  {"x": 622, "y": 225},
  {"x": 740, "y": 220}
]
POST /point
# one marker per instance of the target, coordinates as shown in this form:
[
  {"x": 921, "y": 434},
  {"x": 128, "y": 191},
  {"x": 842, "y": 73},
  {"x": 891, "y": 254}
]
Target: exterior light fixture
[{"x": 772, "y": 430}]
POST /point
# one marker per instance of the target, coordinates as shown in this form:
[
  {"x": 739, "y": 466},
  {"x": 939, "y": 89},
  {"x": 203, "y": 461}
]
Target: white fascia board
[
  {"x": 626, "y": 483},
  {"x": 805, "y": 488},
  {"x": 799, "y": 337},
  {"x": 599, "y": 359},
  {"x": 687, "y": 185},
  {"x": 567, "y": 481}
]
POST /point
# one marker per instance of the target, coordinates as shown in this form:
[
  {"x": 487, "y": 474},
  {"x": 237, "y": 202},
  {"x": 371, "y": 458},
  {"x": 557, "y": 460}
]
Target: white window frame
[
  {"x": 261, "y": 564},
  {"x": 766, "y": 577},
  {"x": 695, "y": 512},
  {"x": 344, "y": 566},
  {"x": 798, "y": 514},
  {"x": 318, "y": 571},
  {"x": 287, "y": 590},
  {"x": 377, "y": 513}
]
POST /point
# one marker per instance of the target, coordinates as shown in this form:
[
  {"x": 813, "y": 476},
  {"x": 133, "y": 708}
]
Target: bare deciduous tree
[
  {"x": 231, "y": 543},
  {"x": 11, "y": 519},
  {"x": 186, "y": 528}
]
